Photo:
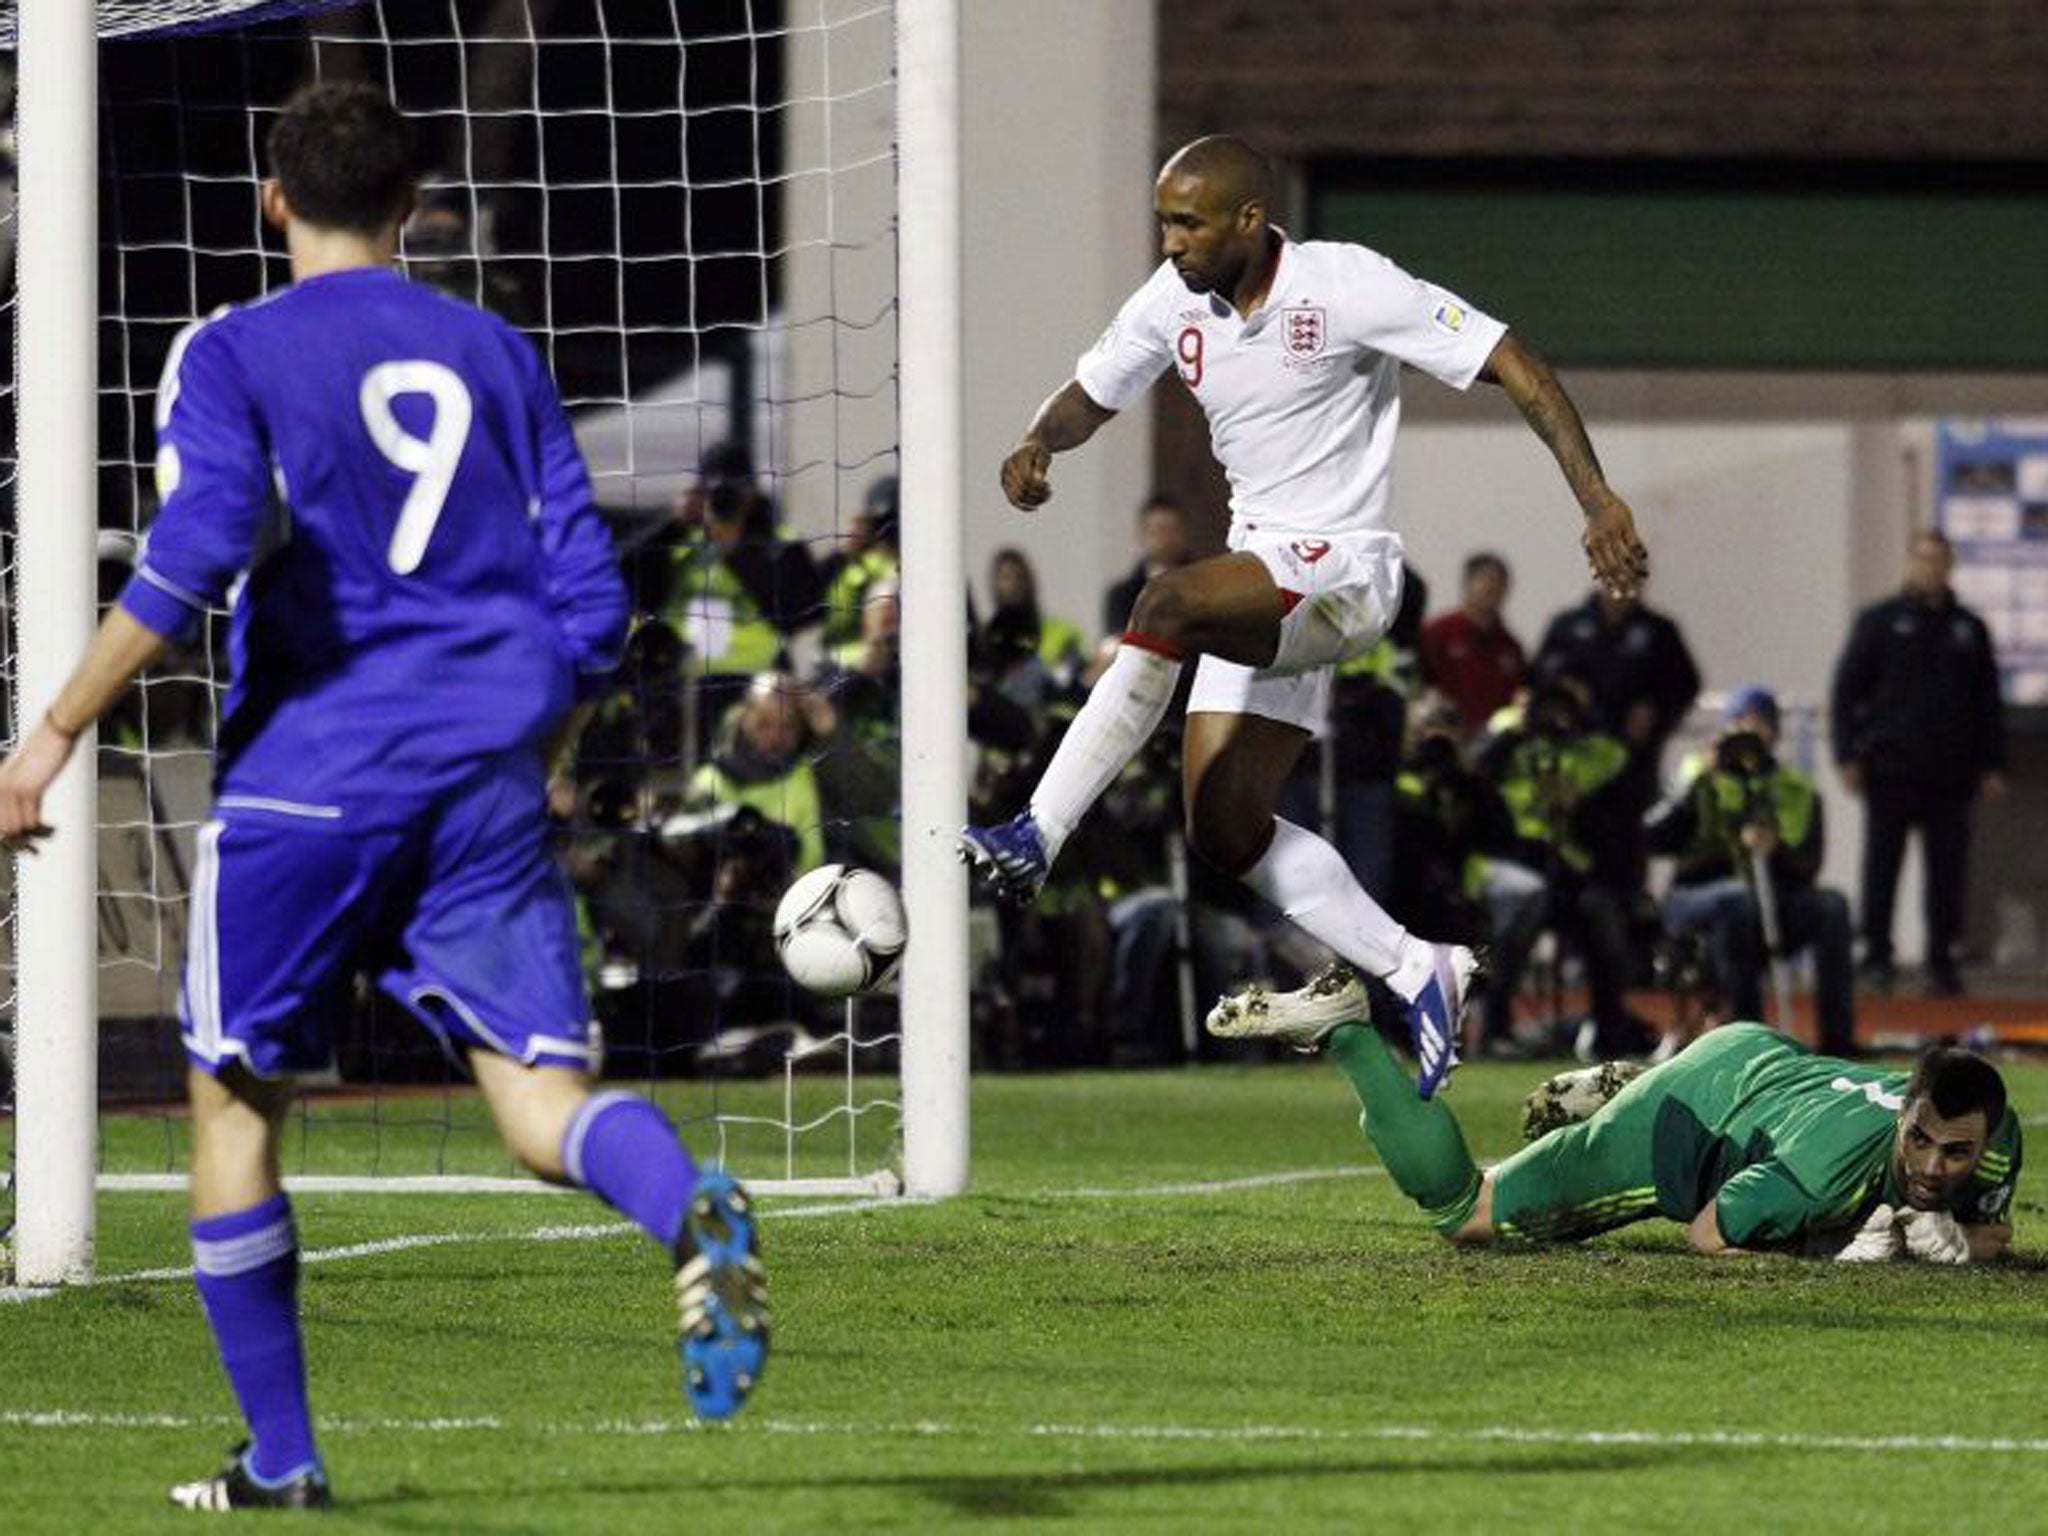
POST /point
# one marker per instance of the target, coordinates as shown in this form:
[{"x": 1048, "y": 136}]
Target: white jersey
[{"x": 1303, "y": 398}]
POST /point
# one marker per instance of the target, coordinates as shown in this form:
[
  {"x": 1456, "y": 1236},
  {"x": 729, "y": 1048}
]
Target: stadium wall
[{"x": 1059, "y": 155}]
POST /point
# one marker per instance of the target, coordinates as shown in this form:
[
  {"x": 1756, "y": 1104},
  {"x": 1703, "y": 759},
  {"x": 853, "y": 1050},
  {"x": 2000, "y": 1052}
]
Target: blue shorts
[{"x": 459, "y": 911}]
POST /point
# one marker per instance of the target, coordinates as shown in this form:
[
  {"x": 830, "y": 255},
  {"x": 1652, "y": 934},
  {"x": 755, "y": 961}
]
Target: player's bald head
[{"x": 1231, "y": 172}]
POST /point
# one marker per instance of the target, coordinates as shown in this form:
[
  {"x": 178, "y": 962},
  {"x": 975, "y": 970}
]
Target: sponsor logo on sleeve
[
  {"x": 1450, "y": 316},
  {"x": 1309, "y": 551}
]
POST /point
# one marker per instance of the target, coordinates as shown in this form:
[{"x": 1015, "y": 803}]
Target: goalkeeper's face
[{"x": 1933, "y": 1157}]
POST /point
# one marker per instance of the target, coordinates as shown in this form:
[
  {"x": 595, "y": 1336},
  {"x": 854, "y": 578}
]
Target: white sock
[
  {"x": 1124, "y": 708},
  {"x": 1308, "y": 880}
]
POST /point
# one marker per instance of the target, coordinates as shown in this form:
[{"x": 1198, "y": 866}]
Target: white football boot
[{"x": 1301, "y": 1019}]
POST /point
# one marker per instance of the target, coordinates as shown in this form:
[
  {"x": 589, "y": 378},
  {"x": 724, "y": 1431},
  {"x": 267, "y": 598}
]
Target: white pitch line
[
  {"x": 1217, "y": 1186},
  {"x": 1203, "y": 1434},
  {"x": 379, "y": 1247}
]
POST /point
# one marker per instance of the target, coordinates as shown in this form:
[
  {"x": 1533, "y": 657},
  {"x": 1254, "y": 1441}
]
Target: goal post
[
  {"x": 606, "y": 189},
  {"x": 56, "y": 997},
  {"x": 935, "y": 1030}
]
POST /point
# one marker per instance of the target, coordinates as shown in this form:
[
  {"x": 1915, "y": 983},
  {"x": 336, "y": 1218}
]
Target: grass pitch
[{"x": 1132, "y": 1321}]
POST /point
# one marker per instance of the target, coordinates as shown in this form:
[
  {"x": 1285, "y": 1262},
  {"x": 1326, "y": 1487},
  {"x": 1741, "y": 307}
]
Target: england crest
[{"x": 1303, "y": 326}]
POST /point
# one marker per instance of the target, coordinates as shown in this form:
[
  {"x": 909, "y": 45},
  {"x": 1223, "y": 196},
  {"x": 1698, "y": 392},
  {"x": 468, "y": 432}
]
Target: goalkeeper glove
[
  {"x": 1935, "y": 1236},
  {"x": 1879, "y": 1240}
]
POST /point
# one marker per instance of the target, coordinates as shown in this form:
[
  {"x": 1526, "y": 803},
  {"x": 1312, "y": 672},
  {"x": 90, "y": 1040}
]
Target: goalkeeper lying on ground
[{"x": 1749, "y": 1140}]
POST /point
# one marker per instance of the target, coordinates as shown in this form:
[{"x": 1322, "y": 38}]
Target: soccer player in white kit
[{"x": 1294, "y": 349}]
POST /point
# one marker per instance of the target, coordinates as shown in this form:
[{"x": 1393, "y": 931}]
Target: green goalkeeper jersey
[{"x": 1786, "y": 1142}]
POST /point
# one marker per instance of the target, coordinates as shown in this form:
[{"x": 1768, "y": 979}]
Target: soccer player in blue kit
[{"x": 381, "y": 483}]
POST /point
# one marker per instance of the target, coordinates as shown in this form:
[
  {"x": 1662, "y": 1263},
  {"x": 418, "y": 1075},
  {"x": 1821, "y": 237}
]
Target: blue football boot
[
  {"x": 722, "y": 1299},
  {"x": 1436, "y": 1014},
  {"x": 1009, "y": 859}
]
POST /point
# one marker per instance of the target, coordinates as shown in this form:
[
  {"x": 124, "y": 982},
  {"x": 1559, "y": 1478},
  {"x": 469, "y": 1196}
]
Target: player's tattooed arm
[
  {"x": 1616, "y": 553},
  {"x": 1066, "y": 420}
]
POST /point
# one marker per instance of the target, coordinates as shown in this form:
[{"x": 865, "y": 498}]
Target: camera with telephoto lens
[
  {"x": 1743, "y": 754},
  {"x": 1435, "y": 757}
]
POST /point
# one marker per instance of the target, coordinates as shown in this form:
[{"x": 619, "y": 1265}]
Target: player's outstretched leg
[
  {"x": 721, "y": 1298},
  {"x": 1418, "y": 1139},
  {"x": 624, "y": 1150},
  {"x": 1124, "y": 708}
]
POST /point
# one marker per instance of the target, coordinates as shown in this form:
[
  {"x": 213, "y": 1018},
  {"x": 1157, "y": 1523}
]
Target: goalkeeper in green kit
[{"x": 1745, "y": 1137}]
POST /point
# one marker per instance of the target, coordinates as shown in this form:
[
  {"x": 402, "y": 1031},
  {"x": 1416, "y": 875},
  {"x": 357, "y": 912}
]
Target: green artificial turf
[{"x": 1116, "y": 1329}]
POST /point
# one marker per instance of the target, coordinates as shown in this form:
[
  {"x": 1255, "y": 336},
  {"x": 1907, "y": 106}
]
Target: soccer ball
[{"x": 839, "y": 930}]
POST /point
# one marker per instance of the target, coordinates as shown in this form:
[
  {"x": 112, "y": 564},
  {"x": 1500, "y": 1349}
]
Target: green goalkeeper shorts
[{"x": 1584, "y": 1179}]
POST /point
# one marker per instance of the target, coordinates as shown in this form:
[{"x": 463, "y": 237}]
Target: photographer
[
  {"x": 1454, "y": 841},
  {"x": 765, "y": 756},
  {"x": 1568, "y": 788},
  {"x": 734, "y": 587},
  {"x": 1742, "y": 810}
]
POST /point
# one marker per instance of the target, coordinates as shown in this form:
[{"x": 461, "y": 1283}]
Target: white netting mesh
[{"x": 691, "y": 210}]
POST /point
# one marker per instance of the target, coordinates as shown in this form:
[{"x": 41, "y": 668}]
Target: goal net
[{"x": 691, "y": 209}]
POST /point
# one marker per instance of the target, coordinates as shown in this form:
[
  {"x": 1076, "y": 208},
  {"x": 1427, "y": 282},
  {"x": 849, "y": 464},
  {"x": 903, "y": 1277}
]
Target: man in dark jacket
[
  {"x": 1642, "y": 679},
  {"x": 1919, "y": 731}
]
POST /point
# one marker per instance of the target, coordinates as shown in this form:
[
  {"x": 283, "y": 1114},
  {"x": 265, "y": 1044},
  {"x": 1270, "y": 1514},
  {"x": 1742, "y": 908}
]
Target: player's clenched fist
[
  {"x": 1620, "y": 562},
  {"x": 1935, "y": 1237},
  {"x": 1024, "y": 479}
]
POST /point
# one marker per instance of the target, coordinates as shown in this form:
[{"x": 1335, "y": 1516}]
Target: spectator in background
[
  {"x": 1163, "y": 545},
  {"x": 734, "y": 586},
  {"x": 1565, "y": 781},
  {"x": 1057, "y": 644},
  {"x": 1469, "y": 655},
  {"x": 1455, "y": 866},
  {"x": 860, "y": 780},
  {"x": 761, "y": 758},
  {"x": 1642, "y": 681},
  {"x": 1731, "y": 808},
  {"x": 864, "y": 558},
  {"x": 1919, "y": 732}
]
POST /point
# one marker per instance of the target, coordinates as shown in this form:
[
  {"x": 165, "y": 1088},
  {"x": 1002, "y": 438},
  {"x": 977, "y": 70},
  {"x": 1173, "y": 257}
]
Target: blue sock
[
  {"x": 247, "y": 1265},
  {"x": 623, "y": 1150}
]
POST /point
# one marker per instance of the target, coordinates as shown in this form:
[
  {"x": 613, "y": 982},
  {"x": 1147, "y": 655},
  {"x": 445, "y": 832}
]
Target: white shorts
[{"x": 1343, "y": 591}]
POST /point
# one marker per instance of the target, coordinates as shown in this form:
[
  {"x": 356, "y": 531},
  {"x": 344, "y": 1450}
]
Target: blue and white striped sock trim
[
  {"x": 252, "y": 1250},
  {"x": 579, "y": 1129}
]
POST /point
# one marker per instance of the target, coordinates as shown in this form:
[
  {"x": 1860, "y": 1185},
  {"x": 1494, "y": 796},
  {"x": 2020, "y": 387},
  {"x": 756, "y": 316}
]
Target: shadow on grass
[
  {"x": 1028, "y": 1495},
  {"x": 1046, "y": 1495}
]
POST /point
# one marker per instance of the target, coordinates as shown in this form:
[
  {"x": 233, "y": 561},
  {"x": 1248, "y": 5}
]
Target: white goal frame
[{"x": 57, "y": 971}]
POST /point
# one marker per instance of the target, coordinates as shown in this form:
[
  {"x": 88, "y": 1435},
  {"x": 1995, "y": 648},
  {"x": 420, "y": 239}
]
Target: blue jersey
[{"x": 381, "y": 484}]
